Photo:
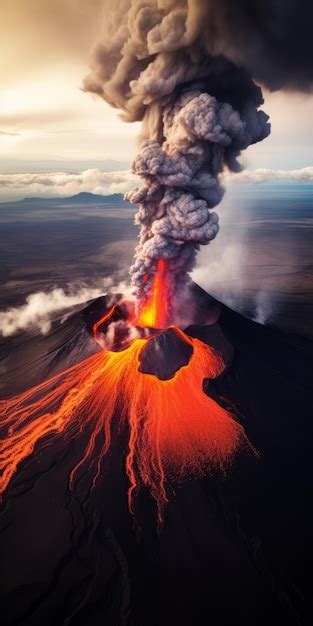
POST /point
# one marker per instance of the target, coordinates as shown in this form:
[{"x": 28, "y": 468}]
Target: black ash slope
[{"x": 232, "y": 551}]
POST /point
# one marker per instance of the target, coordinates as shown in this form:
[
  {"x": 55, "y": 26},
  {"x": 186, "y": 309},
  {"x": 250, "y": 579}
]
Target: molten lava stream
[
  {"x": 153, "y": 313},
  {"x": 174, "y": 429}
]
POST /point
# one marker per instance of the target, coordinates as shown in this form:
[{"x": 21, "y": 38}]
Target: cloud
[
  {"x": 101, "y": 182},
  {"x": 36, "y": 312},
  {"x": 65, "y": 184},
  {"x": 7, "y": 134},
  {"x": 263, "y": 175}
]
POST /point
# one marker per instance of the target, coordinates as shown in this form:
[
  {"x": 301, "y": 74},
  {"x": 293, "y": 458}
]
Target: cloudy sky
[{"x": 47, "y": 124}]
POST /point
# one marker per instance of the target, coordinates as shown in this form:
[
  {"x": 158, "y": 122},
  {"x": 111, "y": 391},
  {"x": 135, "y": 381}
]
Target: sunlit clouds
[
  {"x": 66, "y": 184},
  {"x": 62, "y": 184},
  {"x": 45, "y": 116}
]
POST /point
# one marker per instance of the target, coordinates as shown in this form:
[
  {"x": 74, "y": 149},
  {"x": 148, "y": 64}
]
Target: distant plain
[{"x": 260, "y": 264}]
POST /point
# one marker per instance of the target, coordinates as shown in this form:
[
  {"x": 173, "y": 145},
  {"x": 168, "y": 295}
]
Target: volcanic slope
[{"x": 232, "y": 549}]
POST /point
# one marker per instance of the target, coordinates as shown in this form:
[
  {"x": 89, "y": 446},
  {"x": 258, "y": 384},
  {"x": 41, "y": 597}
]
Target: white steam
[
  {"x": 226, "y": 279},
  {"x": 36, "y": 312}
]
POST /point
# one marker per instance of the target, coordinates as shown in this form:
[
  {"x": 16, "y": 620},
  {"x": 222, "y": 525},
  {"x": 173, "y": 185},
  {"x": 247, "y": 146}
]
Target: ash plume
[{"x": 185, "y": 69}]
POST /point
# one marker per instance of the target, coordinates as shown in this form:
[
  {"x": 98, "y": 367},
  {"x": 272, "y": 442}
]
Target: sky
[{"x": 48, "y": 124}]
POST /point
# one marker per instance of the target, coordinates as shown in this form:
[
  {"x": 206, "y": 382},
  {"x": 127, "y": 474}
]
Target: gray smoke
[
  {"x": 184, "y": 68},
  {"x": 181, "y": 179}
]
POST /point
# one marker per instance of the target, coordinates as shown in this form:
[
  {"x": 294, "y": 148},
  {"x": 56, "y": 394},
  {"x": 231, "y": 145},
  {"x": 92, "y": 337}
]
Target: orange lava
[
  {"x": 104, "y": 319},
  {"x": 153, "y": 313},
  {"x": 174, "y": 429}
]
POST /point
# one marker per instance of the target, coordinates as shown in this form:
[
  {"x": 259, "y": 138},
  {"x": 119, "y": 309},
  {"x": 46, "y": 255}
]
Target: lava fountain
[
  {"x": 174, "y": 430},
  {"x": 153, "y": 310}
]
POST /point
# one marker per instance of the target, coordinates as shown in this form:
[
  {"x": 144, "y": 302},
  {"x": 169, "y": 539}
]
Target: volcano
[{"x": 223, "y": 542}]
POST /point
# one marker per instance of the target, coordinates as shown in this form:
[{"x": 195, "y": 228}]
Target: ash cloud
[
  {"x": 181, "y": 179},
  {"x": 156, "y": 69},
  {"x": 187, "y": 70},
  {"x": 176, "y": 40},
  {"x": 272, "y": 39}
]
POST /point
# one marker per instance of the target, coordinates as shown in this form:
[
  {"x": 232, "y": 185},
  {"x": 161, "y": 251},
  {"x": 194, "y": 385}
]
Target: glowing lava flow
[
  {"x": 173, "y": 428},
  {"x": 103, "y": 320},
  {"x": 154, "y": 311}
]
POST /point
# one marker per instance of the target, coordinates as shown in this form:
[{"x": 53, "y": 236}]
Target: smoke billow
[
  {"x": 185, "y": 67},
  {"x": 181, "y": 178}
]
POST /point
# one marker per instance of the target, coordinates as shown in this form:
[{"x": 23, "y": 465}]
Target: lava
[
  {"x": 174, "y": 429},
  {"x": 153, "y": 312},
  {"x": 107, "y": 317}
]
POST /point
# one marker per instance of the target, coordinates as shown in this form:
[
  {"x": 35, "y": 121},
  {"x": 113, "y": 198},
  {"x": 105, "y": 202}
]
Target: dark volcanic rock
[
  {"x": 233, "y": 550},
  {"x": 165, "y": 354}
]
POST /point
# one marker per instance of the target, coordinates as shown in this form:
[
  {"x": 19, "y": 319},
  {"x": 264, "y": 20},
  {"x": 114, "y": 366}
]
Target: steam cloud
[
  {"x": 35, "y": 313},
  {"x": 184, "y": 68}
]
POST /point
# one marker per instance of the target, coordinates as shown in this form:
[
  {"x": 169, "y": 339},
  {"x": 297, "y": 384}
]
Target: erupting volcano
[
  {"x": 135, "y": 414},
  {"x": 152, "y": 386},
  {"x": 194, "y": 125},
  {"x": 199, "y": 111}
]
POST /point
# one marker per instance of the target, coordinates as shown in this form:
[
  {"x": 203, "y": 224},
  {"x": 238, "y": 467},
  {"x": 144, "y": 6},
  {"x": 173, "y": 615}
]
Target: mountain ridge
[{"x": 79, "y": 198}]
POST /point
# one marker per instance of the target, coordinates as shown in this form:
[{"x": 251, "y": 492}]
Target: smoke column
[
  {"x": 180, "y": 175},
  {"x": 184, "y": 67}
]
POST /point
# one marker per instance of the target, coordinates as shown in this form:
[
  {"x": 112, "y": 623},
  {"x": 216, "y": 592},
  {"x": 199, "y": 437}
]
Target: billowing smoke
[
  {"x": 184, "y": 68},
  {"x": 181, "y": 178}
]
